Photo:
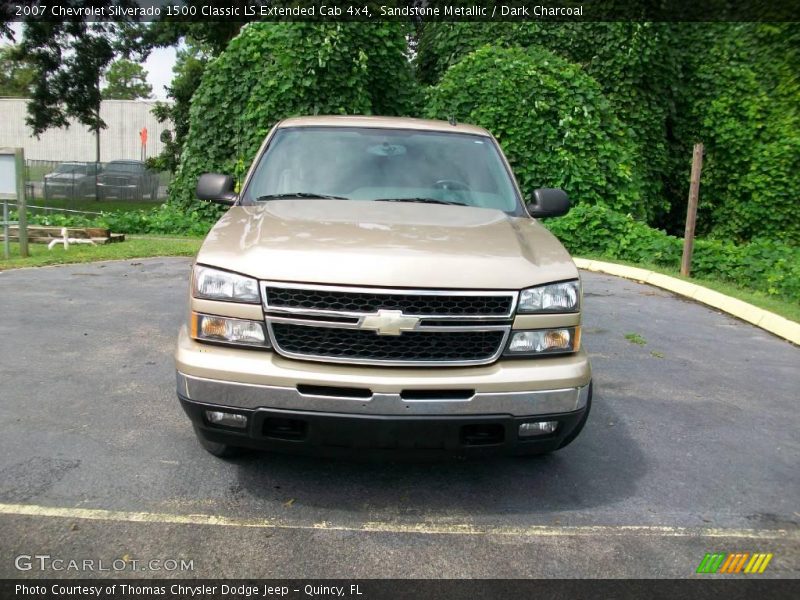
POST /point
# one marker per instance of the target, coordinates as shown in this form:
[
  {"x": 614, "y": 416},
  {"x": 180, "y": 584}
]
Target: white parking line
[{"x": 432, "y": 527}]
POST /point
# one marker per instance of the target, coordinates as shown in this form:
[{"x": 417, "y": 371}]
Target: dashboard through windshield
[{"x": 383, "y": 164}]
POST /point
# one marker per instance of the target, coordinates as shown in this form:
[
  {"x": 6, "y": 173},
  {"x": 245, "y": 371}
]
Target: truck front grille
[
  {"x": 343, "y": 324},
  {"x": 409, "y": 303},
  {"x": 412, "y": 346}
]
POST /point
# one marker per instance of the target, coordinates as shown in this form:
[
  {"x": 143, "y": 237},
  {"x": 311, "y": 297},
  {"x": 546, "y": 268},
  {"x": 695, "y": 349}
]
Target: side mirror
[
  {"x": 548, "y": 202},
  {"x": 216, "y": 188}
]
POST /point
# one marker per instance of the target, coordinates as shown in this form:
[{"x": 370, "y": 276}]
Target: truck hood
[{"x": 349, "y": 242}]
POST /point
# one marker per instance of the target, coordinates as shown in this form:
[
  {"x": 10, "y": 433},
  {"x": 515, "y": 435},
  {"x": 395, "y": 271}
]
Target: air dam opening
[
  {"x": 437, "y": 394},
  {"x": 482, "y": 435},
  {"x": 334, "y": 391},
  {"x": 285, "y": 429}
]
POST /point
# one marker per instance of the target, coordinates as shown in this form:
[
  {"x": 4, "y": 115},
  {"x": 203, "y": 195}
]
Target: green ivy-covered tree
[
  {"x": 276, "y": 70},
  {"x": 740, "y": 95},
  {"x": 733, "y": 86},
  {"x": 552, "y": 119},
  {"x": 630, "y": 60}
]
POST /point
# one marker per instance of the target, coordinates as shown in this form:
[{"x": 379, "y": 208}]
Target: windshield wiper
[
  {"x": 425, "y": 200},
  {"x": 291, "y": 195}
]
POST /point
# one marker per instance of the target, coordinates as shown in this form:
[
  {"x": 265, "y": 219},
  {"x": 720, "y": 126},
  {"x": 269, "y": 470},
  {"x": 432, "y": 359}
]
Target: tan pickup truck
[{"x": 380, "y": 283}]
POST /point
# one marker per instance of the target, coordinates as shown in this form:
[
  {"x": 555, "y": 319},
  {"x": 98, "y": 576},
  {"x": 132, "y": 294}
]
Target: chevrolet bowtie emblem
[{"x": 389, "y": 322}]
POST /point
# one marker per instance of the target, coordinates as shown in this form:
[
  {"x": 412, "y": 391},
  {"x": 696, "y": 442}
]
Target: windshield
[{"x": 383, "y": 164}]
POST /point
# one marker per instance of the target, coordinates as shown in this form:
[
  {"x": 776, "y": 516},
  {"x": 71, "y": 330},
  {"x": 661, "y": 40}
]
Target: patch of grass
[
  {"x": 788, "y": 310},
  {"x": 138, "y": 247},
  {"x": 655, "y": 354},
  {"x": 635, "y": 338}
]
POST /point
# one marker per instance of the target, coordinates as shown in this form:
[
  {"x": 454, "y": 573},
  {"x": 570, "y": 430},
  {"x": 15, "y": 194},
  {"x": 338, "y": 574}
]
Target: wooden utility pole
[
  {"x": 691, "y": 210},
  {"x": 22, "y": 219}
]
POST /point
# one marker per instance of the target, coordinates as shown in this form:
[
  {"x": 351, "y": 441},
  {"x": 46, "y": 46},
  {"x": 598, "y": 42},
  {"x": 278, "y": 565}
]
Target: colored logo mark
[{"x": 734, "y": 562}]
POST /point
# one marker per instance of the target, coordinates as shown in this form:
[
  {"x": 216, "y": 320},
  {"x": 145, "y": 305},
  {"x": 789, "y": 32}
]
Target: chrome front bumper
[{"x": 251, "y": 396}]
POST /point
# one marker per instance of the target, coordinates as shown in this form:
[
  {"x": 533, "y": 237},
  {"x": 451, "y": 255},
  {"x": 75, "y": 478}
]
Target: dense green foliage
[
  {"x": 744, "y": 104},
  {"x": 553, "y": 121},
  {"x": 766, "y": 265},
  {"x": 165, "y": 220},
  {"x": 733, "y": 86},
  {"x": 276, "y": 70},
  {"x": 627, "y": 60}
]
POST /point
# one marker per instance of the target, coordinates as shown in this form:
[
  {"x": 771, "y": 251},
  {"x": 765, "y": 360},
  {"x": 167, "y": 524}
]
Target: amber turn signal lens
[
  {"x": 543, "y": 341},
  {"x": 213, "y": 327},
  {"x": 228, "y": 330}
]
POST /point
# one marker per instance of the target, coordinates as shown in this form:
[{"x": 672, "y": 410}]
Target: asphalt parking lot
[{"x": 692, "y": 447}]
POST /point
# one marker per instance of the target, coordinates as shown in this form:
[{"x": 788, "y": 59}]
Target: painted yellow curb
[
  {"x": 423, "y": 527},
  {"x": 780, "y": 326}
]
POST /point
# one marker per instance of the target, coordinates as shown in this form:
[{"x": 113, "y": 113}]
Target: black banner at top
[{"x": 387, "y": 10}]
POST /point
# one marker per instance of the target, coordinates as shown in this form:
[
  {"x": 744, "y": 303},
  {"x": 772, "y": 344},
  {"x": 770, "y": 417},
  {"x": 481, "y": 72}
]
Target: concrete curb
[{"x": 775, "y": 324}]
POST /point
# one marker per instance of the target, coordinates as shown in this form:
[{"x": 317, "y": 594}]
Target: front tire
[{"x": 216, "y": 448}]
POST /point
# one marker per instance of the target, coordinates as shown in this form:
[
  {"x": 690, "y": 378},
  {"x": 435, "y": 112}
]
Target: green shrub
[
  {"x": 275, "y": 70},
  {"x": 733, "y": 86},
  {"x": 556, "y": 127},
  {"x": 631, "y": 61},
  {"x": 765, "y": 265},
  {"x": 163, "y": 220},
  {"x": 738, "y": 93}
]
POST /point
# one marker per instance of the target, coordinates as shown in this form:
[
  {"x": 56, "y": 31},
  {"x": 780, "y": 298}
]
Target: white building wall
[{"x": 120, "y": 140}]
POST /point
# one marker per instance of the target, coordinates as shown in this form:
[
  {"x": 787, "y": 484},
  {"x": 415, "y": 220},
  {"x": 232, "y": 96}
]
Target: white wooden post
[{"x": 12, "y": 187}]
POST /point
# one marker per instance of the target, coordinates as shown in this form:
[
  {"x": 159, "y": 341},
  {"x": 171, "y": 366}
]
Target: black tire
[
  {"x": 217, "y": 449},
  {"x": 579, "y": 427}
]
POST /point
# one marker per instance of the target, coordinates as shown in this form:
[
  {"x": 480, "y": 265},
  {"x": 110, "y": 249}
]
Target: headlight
[
  {"x": 226, "y": 330},
  {"x": 544, "y": 341},
  {"x": 555, "y": 297},
  {"x": 213, "y": 284}
]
